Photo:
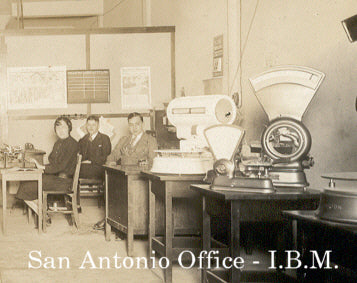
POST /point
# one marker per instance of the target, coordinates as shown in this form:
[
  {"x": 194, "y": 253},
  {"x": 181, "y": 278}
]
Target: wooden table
[
  {"x": 314, "y": 233},
  {"x": 245, "y": 207},
  {"x": 186, "y": 214},
  {"x": 18, "y": 174},
  {"x": 126, "y": 202}
]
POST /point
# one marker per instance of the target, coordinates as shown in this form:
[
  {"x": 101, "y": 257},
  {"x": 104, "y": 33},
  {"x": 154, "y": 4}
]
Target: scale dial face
[{"x": 286, "y": 139}]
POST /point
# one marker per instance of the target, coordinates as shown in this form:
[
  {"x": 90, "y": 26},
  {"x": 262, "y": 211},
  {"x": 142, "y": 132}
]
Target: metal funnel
[{"x": 286, "y": 91}]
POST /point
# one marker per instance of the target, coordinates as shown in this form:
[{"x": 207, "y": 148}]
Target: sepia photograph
[{"x": 176, "y": 141}]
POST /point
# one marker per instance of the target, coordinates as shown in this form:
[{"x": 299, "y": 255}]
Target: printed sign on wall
[{"x": 218, "y": 56}]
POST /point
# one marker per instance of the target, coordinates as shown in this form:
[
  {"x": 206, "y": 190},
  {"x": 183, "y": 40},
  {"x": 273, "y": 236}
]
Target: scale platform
[{"x": 242, "y": 184}]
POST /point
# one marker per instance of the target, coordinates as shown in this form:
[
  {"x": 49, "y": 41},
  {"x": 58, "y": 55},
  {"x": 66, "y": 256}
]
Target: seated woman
[{"x": 62, "y": 162}]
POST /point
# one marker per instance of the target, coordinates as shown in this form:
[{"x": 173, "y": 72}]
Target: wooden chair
[
  {"x": 90, "y": 188},
  {"x": 70, "y": 198}
]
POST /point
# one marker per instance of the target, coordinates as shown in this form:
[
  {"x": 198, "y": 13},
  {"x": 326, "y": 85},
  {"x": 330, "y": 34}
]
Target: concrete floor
[{"x": 62, "y": 240}]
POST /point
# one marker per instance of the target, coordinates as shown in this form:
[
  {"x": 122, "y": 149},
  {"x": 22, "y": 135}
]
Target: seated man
[
  {"x": 135, "y": 149},
  {"x": 94, "y": 148}
]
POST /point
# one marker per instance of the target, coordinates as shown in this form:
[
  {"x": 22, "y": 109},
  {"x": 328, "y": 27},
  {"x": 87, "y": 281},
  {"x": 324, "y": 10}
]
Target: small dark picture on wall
[{"x": 218, "y": 56}]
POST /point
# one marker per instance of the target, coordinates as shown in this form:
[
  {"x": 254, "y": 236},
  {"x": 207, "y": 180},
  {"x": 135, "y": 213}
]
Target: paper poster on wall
[
  {"x": 135, "y": 87},
  {"x": 37, "y": 87}
]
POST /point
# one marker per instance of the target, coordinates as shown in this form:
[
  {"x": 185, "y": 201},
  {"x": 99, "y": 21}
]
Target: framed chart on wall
[
  {"x": 36, "y": 87},
  {"x": 88, "y": 86}
]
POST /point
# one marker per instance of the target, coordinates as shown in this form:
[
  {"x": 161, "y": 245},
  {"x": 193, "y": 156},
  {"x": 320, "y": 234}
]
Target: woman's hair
[
  {"x": 64, "y": 119},
  {"x": 135, "y": 114}
]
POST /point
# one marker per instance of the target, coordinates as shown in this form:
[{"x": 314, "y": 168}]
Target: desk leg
[
  {"x": 294, "y": 230},
  {"x": 235, "y": 274},
  {"x": 108, "y": 228},
  {"x": 4, "y": 205},
  {"x": 206, "y": 237},
  {"x": 151, "y": 231},
  {"x": 40, "y": 215},
  {"x": 168, "y": 232},
  {"x": 300, "y": 245},
  {"x": 29, "y": 215},
  {"x": 130, "y": 229}
]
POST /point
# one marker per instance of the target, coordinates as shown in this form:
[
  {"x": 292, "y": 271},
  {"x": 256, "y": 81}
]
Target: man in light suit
[{"x": 135, "y": 149}]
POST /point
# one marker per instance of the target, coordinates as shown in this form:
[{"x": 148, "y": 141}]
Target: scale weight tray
[{"x": 241, "y": 184}]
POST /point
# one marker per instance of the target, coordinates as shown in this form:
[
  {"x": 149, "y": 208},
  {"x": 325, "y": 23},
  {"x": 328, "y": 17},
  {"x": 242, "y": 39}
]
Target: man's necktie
[{"x": 132, "y": 141}]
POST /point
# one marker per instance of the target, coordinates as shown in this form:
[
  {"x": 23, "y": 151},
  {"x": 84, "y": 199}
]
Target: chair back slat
[{"x": 76, "y": 174}]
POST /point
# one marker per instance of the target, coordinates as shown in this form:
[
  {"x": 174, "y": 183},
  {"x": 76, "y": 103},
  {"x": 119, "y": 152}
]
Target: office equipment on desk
[
  {"x": 34, "y": 153},
  {"x": 164, "y": 130},
  {"x": 11, "y": 156},
  {"x": 190, "y": 116},
  {"x": 338, "y": 203},
  {"x": 224, "y": 142},
  {"x": 246, "y": 207},
  {"x": 14, "y": 174},
  {"x": 285, "y": 93},
  {"x": 16, "y": 156}
]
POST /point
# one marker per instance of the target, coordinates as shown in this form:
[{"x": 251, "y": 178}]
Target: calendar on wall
[{"x": 88, "y": 86}]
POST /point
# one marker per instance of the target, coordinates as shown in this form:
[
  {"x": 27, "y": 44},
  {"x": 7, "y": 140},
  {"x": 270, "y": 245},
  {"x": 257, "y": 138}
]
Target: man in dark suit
[{"x": 94, "y": 147}]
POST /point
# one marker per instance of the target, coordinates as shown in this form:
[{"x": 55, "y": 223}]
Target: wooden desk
[
  {"x": 13, "y": 174},
  {"x": 320, "y": 235},
  {"x": 167, "y": 188},
  {"x": 247, "y": 207},
  {"x": 126, "y": 202}
]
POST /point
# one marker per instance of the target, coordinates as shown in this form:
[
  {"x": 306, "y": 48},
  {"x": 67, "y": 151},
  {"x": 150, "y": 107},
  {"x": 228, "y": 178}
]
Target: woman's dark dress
[{"x": 62, "y": 161}]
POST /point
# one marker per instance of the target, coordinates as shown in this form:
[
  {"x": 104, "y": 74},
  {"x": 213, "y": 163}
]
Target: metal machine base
[{"x": 246, "y": 185}]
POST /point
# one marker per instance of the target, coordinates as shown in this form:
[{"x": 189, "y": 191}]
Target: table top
[
  {"x": 278, "y": 195},
  {"x": 126, "y": 169},
  {"x": 346, "y": 176},
  {"x": 310, "y": 216},
  {"x": 22, "y": 171},
  {"x": 172, "y": 177}
]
